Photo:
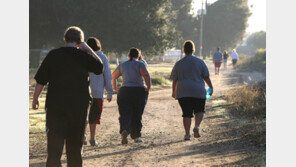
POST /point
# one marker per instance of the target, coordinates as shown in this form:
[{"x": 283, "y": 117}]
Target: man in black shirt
[{"x": 66, "y": 71}]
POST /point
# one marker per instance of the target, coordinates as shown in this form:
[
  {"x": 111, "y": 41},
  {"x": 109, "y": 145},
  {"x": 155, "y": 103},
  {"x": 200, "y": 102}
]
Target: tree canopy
[
  {"x": 253, "y": 42},
  {"x": 152, "y": 25},
  {"x": 224, "y": 24},
  {"x": 118, "y": 24}
]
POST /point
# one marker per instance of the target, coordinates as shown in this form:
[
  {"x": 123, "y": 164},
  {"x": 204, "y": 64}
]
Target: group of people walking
[
  {"x": 219, "y": 58},
  {"x": 69, "y": 72}
]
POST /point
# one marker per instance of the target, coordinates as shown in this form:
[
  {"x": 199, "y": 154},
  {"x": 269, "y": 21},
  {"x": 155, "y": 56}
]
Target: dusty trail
[{"x": 163, "y": 133}]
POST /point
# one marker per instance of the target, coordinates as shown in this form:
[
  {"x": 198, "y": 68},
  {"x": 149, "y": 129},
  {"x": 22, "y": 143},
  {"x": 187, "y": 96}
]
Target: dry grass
[
  {"x": 256, "y": 63},
  {"x": 248, "y": 101}
]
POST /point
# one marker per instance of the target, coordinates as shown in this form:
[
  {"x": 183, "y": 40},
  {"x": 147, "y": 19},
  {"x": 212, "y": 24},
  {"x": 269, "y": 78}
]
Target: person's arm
[
  {"x": 96, "y": 66},
  {"x": 115, "y": 75},
  {"x": 108, "y": 79},
  {"x": 145, "y": 74},
  {"x": 41, "y": 77},
  {"x": 209, "y": 83},
  {"x": 37, "y": 92},
  {"x": 174, "y": 78},
  {"x": 206, "y": 76},
  {"x": 174, "y": 84}
]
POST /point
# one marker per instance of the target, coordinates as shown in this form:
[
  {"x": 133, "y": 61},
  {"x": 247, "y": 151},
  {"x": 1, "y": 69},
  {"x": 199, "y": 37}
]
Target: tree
[
  {"x": 118, "y": 24},
  {"x": 185, "y": 22},
  {"x": 253, "y": 42},
  {"x": 224, "y": 24}
]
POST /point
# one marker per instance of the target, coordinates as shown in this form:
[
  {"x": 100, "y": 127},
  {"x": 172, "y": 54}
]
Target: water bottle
[{"x": 208, "y": 93}]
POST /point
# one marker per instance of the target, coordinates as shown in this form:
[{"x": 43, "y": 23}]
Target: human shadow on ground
[{"x": 130, "y": 149}]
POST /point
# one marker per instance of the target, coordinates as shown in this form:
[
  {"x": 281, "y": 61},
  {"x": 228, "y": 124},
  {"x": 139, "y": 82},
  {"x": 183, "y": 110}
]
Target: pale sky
[{"x": 257, "y": 21}]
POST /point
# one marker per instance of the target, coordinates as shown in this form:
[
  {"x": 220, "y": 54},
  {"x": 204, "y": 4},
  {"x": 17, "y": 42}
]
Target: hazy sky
[{"x": 257, "y": 21}]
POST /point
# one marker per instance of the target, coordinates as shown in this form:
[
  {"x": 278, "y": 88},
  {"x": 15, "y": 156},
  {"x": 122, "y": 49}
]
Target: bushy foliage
[
  {"x": 253, "y": 42},
  {"x": 118, "y": 24},
  {"x": 256, "y": 63},
  {"x": 248, "y": 101}
]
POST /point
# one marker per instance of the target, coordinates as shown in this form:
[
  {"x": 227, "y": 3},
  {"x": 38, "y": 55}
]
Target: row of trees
[
  {"x": 253, "y": 42},
  {"x": 152, "y": 25}
]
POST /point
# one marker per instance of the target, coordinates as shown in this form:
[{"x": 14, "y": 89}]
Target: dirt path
[{"x": 163, "y": 133}]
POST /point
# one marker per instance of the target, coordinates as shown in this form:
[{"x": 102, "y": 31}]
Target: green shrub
[{"x": 256, "y": 63}]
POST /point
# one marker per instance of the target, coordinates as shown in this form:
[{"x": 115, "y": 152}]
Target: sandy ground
[{"x": 163, "y": 133}]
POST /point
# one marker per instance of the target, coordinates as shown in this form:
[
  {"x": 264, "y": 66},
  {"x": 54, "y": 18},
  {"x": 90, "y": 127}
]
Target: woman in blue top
[
  {"x": 189, "y": 76},
  {"x": 132, "y": 95}
]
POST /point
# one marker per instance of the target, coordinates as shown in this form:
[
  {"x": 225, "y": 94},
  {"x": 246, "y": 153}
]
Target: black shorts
[
  {"x": 234, "y": 61},
  {"x": 191, "y": 105}
]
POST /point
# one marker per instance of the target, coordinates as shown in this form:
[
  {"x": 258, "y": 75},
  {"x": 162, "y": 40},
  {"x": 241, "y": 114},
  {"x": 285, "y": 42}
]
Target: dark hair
[
  {"x": 133, "y": 53},
  {"x": 218, "y": 49},
  {"x": 94, "y": 43},
  {"x": 140, "y": 55},
  {"x": 225, "y": 52},
  {"x": 188, "y": 47},
  {"x": 74, "y": 34}
]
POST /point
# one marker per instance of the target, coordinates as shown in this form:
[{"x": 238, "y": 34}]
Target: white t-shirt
[{"x": 234, "y": 55}]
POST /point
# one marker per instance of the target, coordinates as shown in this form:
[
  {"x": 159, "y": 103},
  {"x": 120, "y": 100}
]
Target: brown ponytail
[{"x": 133, "y": 53}]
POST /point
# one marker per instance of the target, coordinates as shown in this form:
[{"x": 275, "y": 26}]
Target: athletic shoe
[
  {"x": 124, "y": 135},
  {"x": 93, "y": 142},
  {"x": 84, "y": 140},
  {"x": 138, "y": 140},
  {"x": 196, "y": 132},
  {"x": 187, "y": 137}
]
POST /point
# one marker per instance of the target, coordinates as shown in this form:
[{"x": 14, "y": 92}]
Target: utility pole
[{"x": 201, "y": 29}]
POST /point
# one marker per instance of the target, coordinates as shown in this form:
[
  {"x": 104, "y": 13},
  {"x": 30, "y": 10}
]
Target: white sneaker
[
  {"x": 124, "y": 135},
  {"x": 138, "y": 140},
  {"x": 187, "y": 137},
  {"x": 196, "y": 132}
]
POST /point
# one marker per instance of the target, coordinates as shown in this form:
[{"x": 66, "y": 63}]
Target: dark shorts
[
  {"x": 95, "y": 111},
  {"x": 191, "y": 105},
  {"x": 234, "y": 61}
]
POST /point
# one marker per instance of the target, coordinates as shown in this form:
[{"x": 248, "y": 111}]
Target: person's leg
[
  {"x": 199, "y": 109},
  {"x": 73, "y": 149},
  {"x": 125, "y": 112},
  {"x": 94, "y": 118},
  {"x": 187, "y": 110},
  {"x": 218, "y": 70},
  {"x": 92, "y": 129},
  {"x": 187, "y": 124},
  {"x": 77, "y": 120},
  {"x": 138, "y": 111},
  {"x": 55, "y": 144},
  {"x": 198, "y": 117}
]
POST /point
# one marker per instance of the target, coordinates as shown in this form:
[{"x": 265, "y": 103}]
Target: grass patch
[
  {"x": 160, "y": 80},
  {"x": 256, "y": 63},
  {"x": 37, "y": 135},
  {"x": 248, "y": 101},
  {"x": 247, "y": 106}
]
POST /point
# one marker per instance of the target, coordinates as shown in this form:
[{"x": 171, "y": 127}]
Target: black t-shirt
[
  {"x": 225, "y": 55},
  {"x": 66, "y": 71}
]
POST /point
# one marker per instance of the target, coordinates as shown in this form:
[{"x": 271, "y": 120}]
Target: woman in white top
[{"x": 234, "y": 57}]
